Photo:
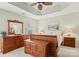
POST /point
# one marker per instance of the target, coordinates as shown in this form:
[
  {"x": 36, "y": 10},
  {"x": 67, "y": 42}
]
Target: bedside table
[{"x": 69, "y": 41}]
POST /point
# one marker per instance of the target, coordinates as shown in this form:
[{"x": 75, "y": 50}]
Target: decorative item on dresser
[
  {"x": 69, "y": 41},
  {"x": 37, "y": 48},
  {"x": 13, "y": 42}
]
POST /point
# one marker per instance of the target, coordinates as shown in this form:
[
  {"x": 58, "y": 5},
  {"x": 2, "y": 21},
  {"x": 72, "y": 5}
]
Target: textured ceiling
[
  {"x": 26, "y": 7},
  {"x": 56, "y": 7}
]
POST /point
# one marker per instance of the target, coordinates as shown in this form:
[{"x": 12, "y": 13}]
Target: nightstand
[{"x": 69, "y": 41}]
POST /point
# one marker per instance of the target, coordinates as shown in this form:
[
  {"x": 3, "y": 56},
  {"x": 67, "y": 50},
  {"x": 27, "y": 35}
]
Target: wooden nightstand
[{"x": 69, "y": 41}]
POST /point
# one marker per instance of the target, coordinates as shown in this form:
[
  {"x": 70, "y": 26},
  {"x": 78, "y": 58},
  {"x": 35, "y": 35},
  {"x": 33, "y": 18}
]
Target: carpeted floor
[
  {"x": 63, "y": 52},
  {"x": 68, "y": 52}
]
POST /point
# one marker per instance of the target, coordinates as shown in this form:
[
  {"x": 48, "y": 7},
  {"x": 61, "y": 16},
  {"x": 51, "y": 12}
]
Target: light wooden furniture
[
  {"x": 13, "y": 42},
  {"x": 69, "y": 41},
  {"x": 37, "y": 48},
  {"x": 49, "y": 38}
]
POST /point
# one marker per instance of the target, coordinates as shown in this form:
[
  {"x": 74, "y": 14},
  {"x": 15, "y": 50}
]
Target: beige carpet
[
  {"x": 68, "y": 52},
  {"x": 64, "y": 52}
]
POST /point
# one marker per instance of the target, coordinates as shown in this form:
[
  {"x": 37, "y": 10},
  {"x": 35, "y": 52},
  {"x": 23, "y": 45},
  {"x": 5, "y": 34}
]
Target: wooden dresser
[
  {"x": 69, "y": 41},
  {"x": 37, "y": 48},
  {"x": 13, "y": 42}
]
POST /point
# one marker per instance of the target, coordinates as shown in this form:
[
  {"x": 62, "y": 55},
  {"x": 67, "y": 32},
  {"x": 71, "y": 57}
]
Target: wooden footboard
[{"x": 52, "y": 39}]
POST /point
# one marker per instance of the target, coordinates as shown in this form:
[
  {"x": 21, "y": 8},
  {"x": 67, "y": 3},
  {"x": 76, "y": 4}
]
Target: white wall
[
  {"x": 64, "y": 21},
  {"x": 5, "y": 15}
]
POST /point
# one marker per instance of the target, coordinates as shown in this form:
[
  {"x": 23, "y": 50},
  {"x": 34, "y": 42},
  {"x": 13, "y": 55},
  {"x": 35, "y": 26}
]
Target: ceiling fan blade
[
  {"x": 33, "y": 4},
  {"x": 40, "y": 6},
  {"x": 47, "y": 3}
]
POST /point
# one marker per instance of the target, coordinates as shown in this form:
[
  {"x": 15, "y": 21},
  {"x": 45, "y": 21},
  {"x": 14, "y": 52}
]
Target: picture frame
[{"x": 53, "y": 27}]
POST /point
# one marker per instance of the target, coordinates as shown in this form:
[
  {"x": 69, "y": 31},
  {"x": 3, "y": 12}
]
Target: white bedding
[
  {"x": 59, "y": 37},
  {"x": 57, "y": 33}
]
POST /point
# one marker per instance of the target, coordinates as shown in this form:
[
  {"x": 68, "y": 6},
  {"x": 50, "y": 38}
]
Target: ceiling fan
[{"x": 40, "y": 4}]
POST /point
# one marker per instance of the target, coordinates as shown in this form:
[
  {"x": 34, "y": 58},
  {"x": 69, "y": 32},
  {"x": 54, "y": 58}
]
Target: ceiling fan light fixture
[{"x": 40, "y": 6}]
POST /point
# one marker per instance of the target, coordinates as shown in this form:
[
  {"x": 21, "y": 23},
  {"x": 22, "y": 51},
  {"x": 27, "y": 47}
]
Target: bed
[{"x": 55, "y": 39}]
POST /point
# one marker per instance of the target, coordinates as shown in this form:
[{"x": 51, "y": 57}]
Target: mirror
[{"x": 15, "y": 27}]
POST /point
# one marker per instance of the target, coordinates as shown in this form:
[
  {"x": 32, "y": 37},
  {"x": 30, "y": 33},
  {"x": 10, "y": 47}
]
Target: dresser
[
  {"x": 69, "y": 41},
  {"x": 13, "y": 42},
  {"x": 37, "y": 48}
]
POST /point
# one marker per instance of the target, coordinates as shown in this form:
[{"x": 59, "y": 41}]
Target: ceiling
[
  {"x": 46, "y": 9},
  {"x": 25, "y": 9}
]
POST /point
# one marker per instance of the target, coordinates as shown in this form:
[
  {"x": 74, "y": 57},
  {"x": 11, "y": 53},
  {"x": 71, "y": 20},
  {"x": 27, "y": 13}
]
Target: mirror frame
[{"x": 14, "y": 21}]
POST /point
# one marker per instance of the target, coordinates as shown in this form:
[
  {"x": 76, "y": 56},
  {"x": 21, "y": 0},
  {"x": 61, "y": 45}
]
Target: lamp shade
[{"x": 68, "y": 31}]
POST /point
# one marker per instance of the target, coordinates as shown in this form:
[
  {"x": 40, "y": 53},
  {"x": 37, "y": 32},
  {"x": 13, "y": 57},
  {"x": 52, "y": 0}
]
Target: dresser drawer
[
  {"x": 8, "y": 48},
  {"x": 8, "y": 41},
  {"x": 69, "y": 42}
]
